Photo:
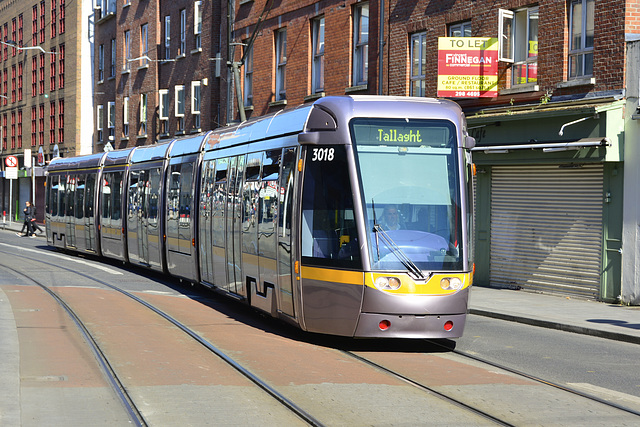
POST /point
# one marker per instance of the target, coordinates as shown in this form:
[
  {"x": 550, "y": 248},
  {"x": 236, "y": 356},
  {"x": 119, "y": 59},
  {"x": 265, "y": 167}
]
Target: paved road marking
[{"x": 79, "y": 261}]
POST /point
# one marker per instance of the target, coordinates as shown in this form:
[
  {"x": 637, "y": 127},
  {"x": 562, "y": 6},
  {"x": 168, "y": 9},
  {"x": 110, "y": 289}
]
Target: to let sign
[{"x": 467, "y": 67}]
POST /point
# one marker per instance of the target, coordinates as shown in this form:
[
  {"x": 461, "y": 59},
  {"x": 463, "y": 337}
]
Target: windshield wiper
[{"x": 395, "y": 249}]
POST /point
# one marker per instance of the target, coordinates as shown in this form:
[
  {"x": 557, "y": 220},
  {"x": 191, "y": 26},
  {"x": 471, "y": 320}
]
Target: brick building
[
  {"x": 158, "y": 70},
  {"x": 44, "y": 79},
  {"x": 551, "y": 189}
]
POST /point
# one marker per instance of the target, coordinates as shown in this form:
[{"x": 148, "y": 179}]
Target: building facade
[
  {"x": 555, "y": 208},
  {"x": 160, "y": 71},
  {"x": 44, "y": 76}
]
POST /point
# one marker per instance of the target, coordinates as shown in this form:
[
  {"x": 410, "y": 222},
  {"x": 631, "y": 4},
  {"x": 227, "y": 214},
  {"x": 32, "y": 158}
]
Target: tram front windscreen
[{"x": 410, "y": 183}]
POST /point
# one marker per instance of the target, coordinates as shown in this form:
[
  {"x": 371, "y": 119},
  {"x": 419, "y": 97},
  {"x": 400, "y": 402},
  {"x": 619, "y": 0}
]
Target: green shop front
[{"x": 548, "y": 214}]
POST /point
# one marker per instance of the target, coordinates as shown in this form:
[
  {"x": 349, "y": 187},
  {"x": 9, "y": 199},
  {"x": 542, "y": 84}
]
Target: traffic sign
[
  {"x": 11, "y": 173},
  {"x": 11, "y": 161}
]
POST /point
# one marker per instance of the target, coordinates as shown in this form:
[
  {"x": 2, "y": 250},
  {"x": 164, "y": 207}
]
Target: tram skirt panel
[{"x": 546, "y": 228}]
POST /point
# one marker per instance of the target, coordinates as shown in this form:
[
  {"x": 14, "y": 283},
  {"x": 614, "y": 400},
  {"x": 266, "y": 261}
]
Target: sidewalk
[{"x": 611, "y": 321}]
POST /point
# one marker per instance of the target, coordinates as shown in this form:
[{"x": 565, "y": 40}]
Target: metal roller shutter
[{"x": 546, "y": 228}]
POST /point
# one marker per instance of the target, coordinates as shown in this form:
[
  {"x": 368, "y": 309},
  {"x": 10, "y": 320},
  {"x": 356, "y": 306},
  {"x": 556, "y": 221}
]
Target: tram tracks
[
  {"x": 135, "y": 414},
  {"x": 291, "y": 401}
]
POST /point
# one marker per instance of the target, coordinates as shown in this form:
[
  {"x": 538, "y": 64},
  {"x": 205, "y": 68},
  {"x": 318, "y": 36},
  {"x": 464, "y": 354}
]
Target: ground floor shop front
[{"x": 549, "y": 198}]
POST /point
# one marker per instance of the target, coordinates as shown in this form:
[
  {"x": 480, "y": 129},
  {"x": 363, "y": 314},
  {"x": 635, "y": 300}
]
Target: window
[
  {"x": 52, "y": 122},
  {"x": 52, "y": 71},
  {"x": 112, "y": 69},
  {"x": 13, "y": 83},
  {"x": 143, "y": 114},
  {"x": 281, "y": 64},
  {"x": 127, "y": 50},
  {"x": 99, "y": 123},
  {"x": 195, "y": 103},
  {"x": 167, "y": 37},
  {"x": 40, "y": 75},
  {"x": 144, "y": 44},
  {"x": 43, "y": 22},
  {"x": 100, "y": 63},
  {"x": 14, "y": 30},
  {"x": 581, "y": 38},
  {"x": 34, "y": 27},
  {"x": 61, "y": 121},
  {"x": 183, "y": 32},
  {"x": 34, "y": 120},
  {"x": 34, "y": 75},
  {"x": 19, "y": 128},
  {"x": 360, "y": 44},
  {"x": 125, "y": 117},
  {"x": 41, "y": 124},
  {"x": 519, "y": 43},
  {"x": 163, "y": 111},
  {"x": 111, "y": 117},
  {"x": 179, "y": 106},
  {"x": 318, "y": 55},
  {"x": 60, "y": 56},
  {"x": 61, "y": 17},
  {"x": 197, "y": 23},
  {"x": 463, "y": 29},
  {"x": 20, "y": 80},
  {"x": 54, "y": 19},
  {"x": 418, "y": 64},
  {"x": 248, "y": 76}
]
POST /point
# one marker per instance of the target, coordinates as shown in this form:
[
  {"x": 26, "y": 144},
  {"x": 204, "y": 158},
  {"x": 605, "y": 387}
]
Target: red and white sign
[
  {"x": 11, "y": 161},
  {"x": 467, "y": 67}
]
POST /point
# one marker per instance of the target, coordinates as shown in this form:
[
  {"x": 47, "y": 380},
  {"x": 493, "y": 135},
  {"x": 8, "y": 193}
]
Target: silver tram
[{"x": 348, "y": 216}]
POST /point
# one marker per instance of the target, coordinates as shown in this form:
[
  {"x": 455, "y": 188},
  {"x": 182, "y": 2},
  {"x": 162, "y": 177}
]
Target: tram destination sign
[{"x": 467, "y": 67}]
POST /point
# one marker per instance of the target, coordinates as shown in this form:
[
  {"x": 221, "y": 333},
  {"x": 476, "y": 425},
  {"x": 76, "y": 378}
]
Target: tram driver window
[{"x": 328, "y": 225}]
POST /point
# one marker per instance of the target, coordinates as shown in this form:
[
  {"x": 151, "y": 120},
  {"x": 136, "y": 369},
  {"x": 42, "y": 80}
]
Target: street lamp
[{"x": 14, "y": 45}]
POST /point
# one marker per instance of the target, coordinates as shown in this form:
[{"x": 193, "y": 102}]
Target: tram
[{"x": 348, "y": 216}]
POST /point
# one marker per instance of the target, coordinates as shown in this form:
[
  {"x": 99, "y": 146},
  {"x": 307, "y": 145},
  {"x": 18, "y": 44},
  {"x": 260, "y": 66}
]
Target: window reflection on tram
[{"x": 408, "y": 172}]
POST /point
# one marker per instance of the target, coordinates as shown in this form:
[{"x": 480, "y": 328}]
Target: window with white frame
[
  {"x": 281, "y": 64},
  {"x": 519, "y": 43},
  {"x": 100, "y": 123},
  {"x": 317, "y": 72},
  {"x": 179, "y": 106},
  {"x": 143, "y": 114},
  {"x": 163, "y": 110},
  {"x": 248, "y": 76},
  {"x": 111, "y": 119},
  {"x": 197, "y": 23},
  {"x": 167, "y": 37},
  {"x": 127, "y": 50},
  {"x": 101, "y": 63},
  {"x": 112, "y": 67},
  {"x": 360, "y": 44},
  {"x": 418, "y": 64},
  {"x": 183, "y": 32},
  {"x": 125, "y": 117},
  {"x": 581, "y": 33},
  {"x": 144, "y": 43},
  {"x": 462, "y": 29},
  {"x": 196, "y": 99}
]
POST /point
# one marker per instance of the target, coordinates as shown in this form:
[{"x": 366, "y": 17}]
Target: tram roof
[
  {"x": 83, "y": 162},
  {"x": 147, "y": 153},
  {"x": 117, "y": 157}
]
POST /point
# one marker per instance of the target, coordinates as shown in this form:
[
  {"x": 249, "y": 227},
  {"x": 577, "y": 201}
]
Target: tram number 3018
[{"x": 323, "y": 155}]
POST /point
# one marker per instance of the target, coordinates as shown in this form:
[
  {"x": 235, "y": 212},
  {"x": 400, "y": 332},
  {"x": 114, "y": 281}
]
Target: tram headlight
[
  {"x": 388, "y": 283},
  {"x": 451, "y": 284}
]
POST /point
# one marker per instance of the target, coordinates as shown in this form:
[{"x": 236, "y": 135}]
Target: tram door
[
  {"x": 78, "y": 210},
  {"x": 234, "y": 226},
  {"x": 285, "y": 262}
]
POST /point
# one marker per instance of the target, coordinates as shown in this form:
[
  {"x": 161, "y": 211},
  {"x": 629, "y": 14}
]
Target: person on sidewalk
[
  {"x": 35, "y": 228},
  {"x": 27, "y": 224}
]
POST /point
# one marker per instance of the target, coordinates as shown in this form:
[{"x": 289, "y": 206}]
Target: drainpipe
[{"x": 381, "y": 48}]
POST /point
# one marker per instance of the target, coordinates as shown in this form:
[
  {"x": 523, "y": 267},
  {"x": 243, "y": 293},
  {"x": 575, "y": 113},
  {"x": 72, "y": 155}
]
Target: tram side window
[
  {"x": 90, "y": 186},
  {"x": 106, "y": 196},
  {"x": 268, "y": 204},
  {"x": 328, "y": 222},
  {"x": 54, "y": 185},
  {"x": 219, "y": 201},
  {"x": 79, "y": 197},
  {"x": 133, "y": 198},
  {"x": 112, "y": 196},
  {"x": 153, "y": 190},
  {"x": 62, "y": 195}
]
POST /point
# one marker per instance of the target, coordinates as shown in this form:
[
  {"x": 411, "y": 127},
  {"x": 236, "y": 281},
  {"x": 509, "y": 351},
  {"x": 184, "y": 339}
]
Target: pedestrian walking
[
  {"x": 27, "y": 225},
  {"x": 34, "y": 225}
]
